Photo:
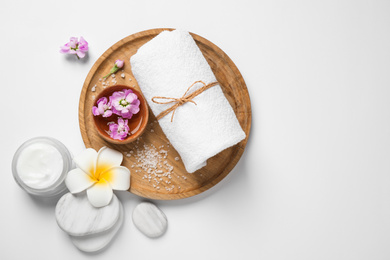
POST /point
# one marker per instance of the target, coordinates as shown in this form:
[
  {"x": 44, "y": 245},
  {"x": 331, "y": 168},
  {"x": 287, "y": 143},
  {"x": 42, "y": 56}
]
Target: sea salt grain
[
  {"x": 123, "y": 75},
  {"x": 153, "y": 161}
]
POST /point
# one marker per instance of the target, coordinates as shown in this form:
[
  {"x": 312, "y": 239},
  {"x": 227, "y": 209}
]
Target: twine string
[{"x": 180, "y": 101}]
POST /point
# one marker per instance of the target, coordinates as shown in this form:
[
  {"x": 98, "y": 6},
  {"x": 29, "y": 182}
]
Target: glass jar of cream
[{"x": 40, "y": 166}]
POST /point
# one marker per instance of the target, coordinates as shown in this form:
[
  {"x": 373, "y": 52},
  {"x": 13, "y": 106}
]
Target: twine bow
[{"x": 180, "y": 101}]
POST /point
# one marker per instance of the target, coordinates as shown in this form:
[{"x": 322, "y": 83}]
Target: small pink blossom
[
  {"x": 118, "y": 65},
  {"x": 103, "y": 108},
  {"x": 74, "y": 46},
  {"x": 119, "y": 131},
  {"x": 124, "y": 103}
]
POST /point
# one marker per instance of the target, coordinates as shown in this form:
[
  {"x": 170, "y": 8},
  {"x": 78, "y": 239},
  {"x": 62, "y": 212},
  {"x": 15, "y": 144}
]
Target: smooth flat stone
[
  {"x": 149, "y": 219},
  {"x": 77, "y": 217},
  {"x": 98, "y": 241}
]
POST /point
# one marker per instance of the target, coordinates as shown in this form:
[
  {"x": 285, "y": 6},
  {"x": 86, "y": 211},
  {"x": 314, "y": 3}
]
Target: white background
[{"x": 314, "y": 180}]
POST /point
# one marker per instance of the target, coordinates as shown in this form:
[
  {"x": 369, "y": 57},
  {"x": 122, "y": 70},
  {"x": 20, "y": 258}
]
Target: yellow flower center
[{"x": 102, "y": 172}]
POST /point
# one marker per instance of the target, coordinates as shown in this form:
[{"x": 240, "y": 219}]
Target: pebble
[
  {"x": 96, "y": 242},
  {"x": 150, "y": 220},
  {"x": 77, "y": 217}
]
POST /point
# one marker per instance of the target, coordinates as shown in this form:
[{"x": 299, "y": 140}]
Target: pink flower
[
  {"x": 124, "y": 103},
  {"x": 119, "y": 131},
  {"x": 103, "y": 108},
  {"x": 74, "y": 46},
  {"x": 118, "y": 65}
]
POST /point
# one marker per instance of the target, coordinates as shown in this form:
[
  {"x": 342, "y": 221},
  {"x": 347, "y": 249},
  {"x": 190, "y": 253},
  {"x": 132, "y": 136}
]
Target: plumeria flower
[
  {"x": 99, "y": 173},
  {"x": 119, "y": 131},
  {"x": 118, "y": 65},
  {"x": 103, "y": 108},
  {"x": 74, "y": 46},
  {"x": 125, "y": 103}
]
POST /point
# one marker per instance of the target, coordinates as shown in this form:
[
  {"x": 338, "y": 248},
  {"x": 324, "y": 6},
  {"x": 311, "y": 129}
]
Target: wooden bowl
[{"x": 137, "y": 123}]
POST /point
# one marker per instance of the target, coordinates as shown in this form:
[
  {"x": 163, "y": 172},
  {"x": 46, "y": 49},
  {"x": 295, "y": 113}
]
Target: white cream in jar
[{"x": 40, "y": 166}]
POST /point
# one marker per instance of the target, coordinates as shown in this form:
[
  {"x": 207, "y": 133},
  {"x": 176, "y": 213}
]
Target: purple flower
[
  {"x": 119, "y": 131},
  {"x": 124, "y": 103},
  {"x": 74, "y": 46},
  {"x": 118, "y": 65},
  {"x": 103, "y": 108}
]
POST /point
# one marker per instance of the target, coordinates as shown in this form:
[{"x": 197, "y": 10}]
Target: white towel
[{"x": 166, "y": 66}]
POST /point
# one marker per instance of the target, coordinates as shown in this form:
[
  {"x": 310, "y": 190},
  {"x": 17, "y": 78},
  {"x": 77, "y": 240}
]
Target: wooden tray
[{"x": 178, "y": 183}]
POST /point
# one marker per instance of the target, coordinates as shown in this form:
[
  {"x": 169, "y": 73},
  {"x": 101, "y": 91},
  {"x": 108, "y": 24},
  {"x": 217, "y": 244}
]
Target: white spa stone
[
  {"x": 150, "y": 220},
  {"x": 98, "y": 241},
  {"x": 77, "y": 217}
]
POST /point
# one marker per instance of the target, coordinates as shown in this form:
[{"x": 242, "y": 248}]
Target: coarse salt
[{"x": 153, "y": 161}]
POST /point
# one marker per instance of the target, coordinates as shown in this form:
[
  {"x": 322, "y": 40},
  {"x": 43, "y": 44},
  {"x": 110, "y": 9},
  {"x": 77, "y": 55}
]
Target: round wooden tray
[{"x": 178, "y": 184}]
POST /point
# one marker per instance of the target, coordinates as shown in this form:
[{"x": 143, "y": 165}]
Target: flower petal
[
  {"x": 95, "y": 111},
  {"x": 118, "y": 177},
  {"x": 73, "y": 41},
  {"x": 64, "y": 49},
  {"x": 108, "y": 158},
  {"x": 101, "y": 108},
  {"x": 107, "y": 113},
  {"x": 131, "y": 97},
  {"x": 134, "y": 109},
  {"x": 80, "y": 54},
  {"x": 83, "y": 44},
  {"x": 100, "y": 194},
  {"x": 77, "y": 181},
  {"x": 127, "y": 115},
  {"x": 115, "y": 111},
  {"x": 136, "y": 102},
  {"x": 102, "y": 100},
  {"x": 86, "y": 161},
  {"x": 121, "y": 122}
]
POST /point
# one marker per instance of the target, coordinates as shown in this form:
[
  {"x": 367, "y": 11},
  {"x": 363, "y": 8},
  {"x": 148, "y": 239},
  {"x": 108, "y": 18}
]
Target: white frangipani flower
[{"x": 99, "y": 173}]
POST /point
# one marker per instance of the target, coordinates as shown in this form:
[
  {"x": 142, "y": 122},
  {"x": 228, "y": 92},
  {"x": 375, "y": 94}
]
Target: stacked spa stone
[{"x": 90, "y": 229}]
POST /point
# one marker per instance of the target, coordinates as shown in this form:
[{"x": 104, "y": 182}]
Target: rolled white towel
[{"x": 166, "y": 66}]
